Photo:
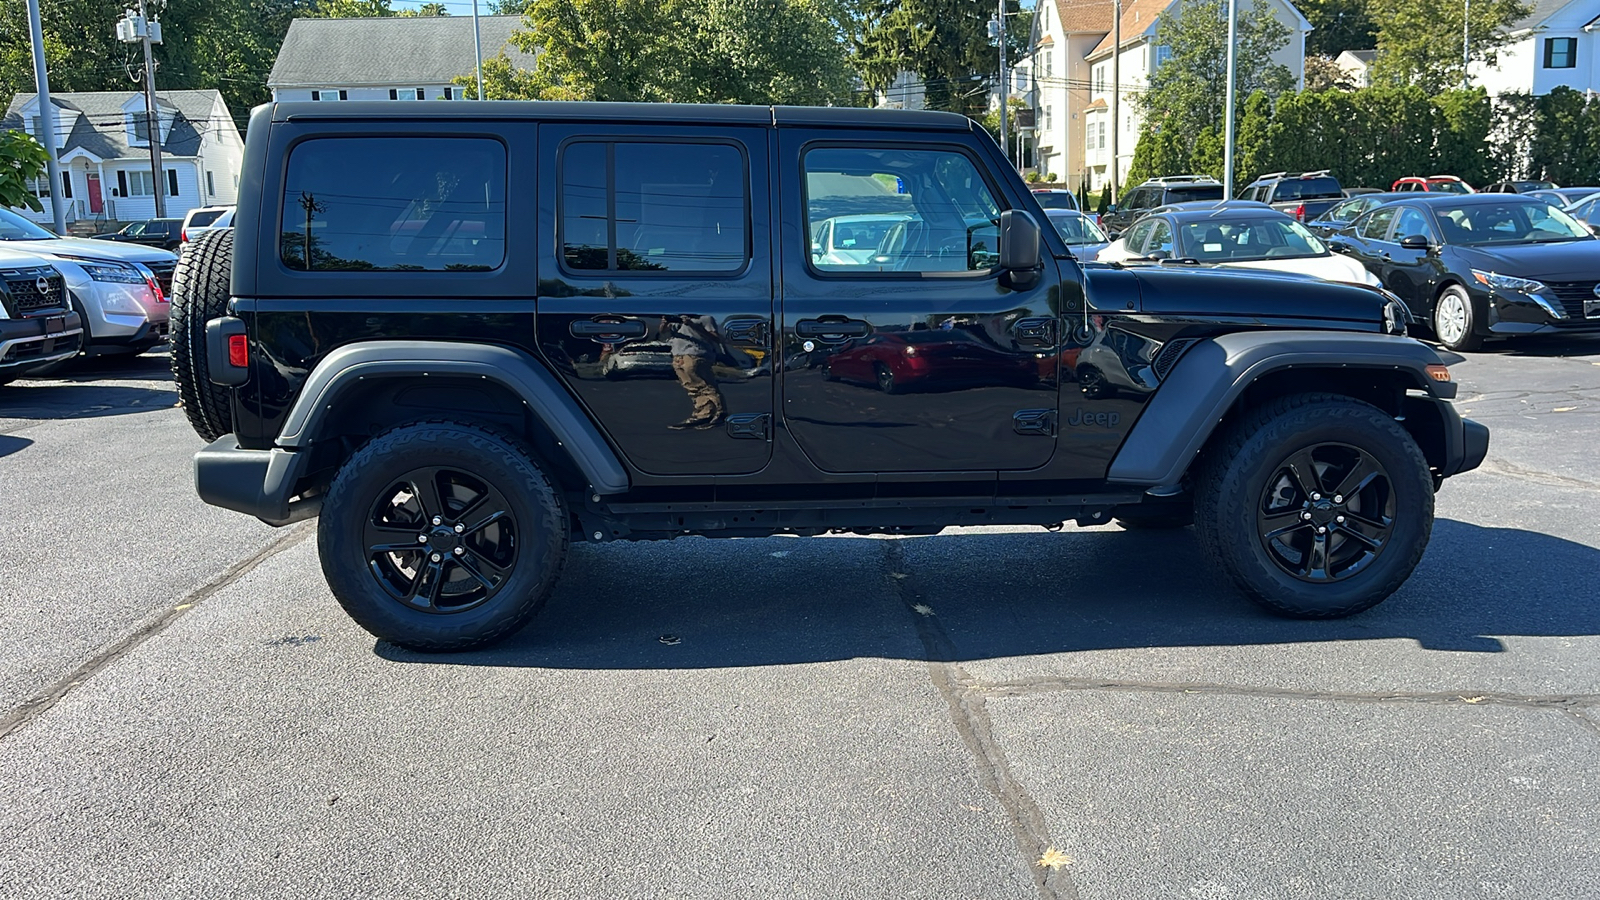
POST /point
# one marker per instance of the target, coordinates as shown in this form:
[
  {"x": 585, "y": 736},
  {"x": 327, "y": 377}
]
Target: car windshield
[
  {"x": 1307, "y": 189},
  {"x": 1077, "y": 230},
  {"x": 1188, "y": 193},
  {"x": 1213, "y": 240},
  {"x": 15, "y": 228},
  {"x": 202, "y": 218},
  {"x": 1448, "y": 187},
  {"x": 1509, "y": 222},
  {"x": 1055, "y": 200},
  {"x": 861, "y": 234}
]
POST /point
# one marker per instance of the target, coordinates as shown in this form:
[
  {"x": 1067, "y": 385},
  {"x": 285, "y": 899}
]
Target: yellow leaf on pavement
[{"x": 1053, "y": 859}]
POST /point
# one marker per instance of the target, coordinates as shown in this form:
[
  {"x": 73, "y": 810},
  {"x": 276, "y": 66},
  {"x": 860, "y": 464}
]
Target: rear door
[
  {"x": 656, "y": 305},
  {"x": 924, "y": 358}
]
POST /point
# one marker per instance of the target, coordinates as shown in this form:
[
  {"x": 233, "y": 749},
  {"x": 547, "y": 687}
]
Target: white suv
[
  {"x": 204, "y": 219},
  {"x": 37, "y": 326}
]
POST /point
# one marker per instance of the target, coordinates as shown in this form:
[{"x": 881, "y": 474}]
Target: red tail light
[
  {"x": 183, "y": 235},
  {"x": 238, "y": 351},
  {"x": 1300, "y": 213}
]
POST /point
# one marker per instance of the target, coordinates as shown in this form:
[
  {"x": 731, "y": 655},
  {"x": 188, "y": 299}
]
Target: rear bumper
[{"x": 258, "y": 482}]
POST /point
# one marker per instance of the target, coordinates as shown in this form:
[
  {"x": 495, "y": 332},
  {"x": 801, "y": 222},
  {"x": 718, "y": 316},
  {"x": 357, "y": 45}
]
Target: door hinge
[
  {"x": 1040, "y": 422},
  {"x": 1035, "y": 332},
  {"x": 750, "y": 426},
  {"x": 746, "y": 331}
]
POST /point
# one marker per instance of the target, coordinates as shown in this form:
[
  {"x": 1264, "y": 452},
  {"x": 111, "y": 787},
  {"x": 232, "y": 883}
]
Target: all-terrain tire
[
  {"x": 1232, "y": 486},
  {"x": 201, "y": 286},
  {"x": 536, "y": 513}
]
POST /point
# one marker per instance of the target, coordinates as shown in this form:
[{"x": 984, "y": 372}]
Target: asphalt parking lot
[{"x": 186, "y": 712}]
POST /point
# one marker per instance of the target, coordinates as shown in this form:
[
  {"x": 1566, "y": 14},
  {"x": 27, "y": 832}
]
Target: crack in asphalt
[
  {"x": 971, "y": 718},
  {"x": 1574, "y": 703},
  {"x": 1499, "y": 466},
  {"x": 32, "y": 708}
]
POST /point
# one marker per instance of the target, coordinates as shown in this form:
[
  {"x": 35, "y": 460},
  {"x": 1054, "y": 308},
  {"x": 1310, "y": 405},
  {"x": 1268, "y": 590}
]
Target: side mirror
[
  {"x": 1594, "y": 227},
  {"x": 1338, "y": 246},
  {"x": 1019, "y": 247},
  {"x": 816, "y": 250},
  {"x": 1158, "y": 255},
  {"x": 1414, "y": 242}
]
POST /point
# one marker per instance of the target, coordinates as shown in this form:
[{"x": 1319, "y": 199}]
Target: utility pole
[
  {"x": 47, "y": 116},
  {"x": 1466, "y": 39},
  {"x": 1116, "y": 93},
  {"x": 477, "y": 48},
  {"x": 1227, "y": 128},
  {"x": 137, "y": 28},
  {"x": 1005, "y": 85}
]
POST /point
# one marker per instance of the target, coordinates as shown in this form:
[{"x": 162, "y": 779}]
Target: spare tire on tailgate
[{"x": 200, "y": 290}]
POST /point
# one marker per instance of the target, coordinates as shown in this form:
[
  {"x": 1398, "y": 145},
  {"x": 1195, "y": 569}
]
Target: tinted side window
[
  {"x": 910, "y": 210},
  {"x": 395, "y": 204},
  {"x": 1376, "y": 226},
  {"x": 1137, "y": 236},
  {"x": 1160, "y": 238},
  {"x": 1413, "y": 222},
  {"x": 1197, "y": 192},
  {"x": 667, "y": 207}
]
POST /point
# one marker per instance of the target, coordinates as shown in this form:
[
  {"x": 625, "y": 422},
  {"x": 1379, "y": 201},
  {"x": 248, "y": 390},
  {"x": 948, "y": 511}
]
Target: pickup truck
[{"x": 1302, "y": 195}]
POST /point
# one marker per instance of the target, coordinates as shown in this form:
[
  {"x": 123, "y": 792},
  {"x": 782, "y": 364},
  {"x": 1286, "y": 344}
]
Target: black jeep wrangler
[{"x": 468, "y": 334}]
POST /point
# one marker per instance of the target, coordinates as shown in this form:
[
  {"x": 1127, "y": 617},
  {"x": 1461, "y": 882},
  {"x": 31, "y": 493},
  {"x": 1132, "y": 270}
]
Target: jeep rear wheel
[
  {"x": 1316, "y": 506},
  {"x": 201, "y": 286},
  {"x": 442, "y": 536}
]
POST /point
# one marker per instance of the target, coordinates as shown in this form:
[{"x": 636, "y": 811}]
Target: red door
[{"x": 96, "y": 202}]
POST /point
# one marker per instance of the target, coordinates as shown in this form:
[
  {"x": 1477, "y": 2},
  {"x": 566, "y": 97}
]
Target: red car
[
  {"x": 1441, "y": 184},
  {"x": 896, "y": 361}
]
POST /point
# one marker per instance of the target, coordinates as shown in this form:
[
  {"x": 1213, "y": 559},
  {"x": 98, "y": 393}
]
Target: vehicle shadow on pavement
[
  {"x": 1542, "y": 346},
  {"x": 687, "y": 604},
  {"x": 65, "y": 400},
  {"x": 10, "y": 445}
]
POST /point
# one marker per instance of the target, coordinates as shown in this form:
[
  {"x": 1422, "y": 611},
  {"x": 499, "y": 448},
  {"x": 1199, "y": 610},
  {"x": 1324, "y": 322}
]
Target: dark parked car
[
  {"x": 1486, "y": 265},
  {"x": 1562, "y": 197},
  {"x": 164, "y": 233},
  {"x": 1302, "y": 196},
  {"x": 1055, "y": 198},
  {"x": 1342, "y": 214},
  {"x": 1586, "y": 210},
  {"x": 400, "y": 333},
  {"x": 1140, "y": 201},
  {"x": 1519, "y": 187}
]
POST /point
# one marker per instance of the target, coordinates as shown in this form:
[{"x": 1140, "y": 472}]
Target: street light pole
[
  {"x": 1466, "y": 39},
  {"x": 477, "y": 48},
  {"x": 1227, "y": 129},
  {"x": 1005, "y": 86},
  {"x": 47, "y": 116}
]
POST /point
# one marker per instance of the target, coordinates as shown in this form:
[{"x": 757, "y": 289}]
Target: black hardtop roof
[{"x": 563, "y": 110}]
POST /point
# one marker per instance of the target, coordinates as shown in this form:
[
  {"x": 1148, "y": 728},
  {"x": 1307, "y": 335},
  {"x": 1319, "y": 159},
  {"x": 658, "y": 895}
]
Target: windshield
[
  {"x": 861, "y": 234},
  {"x": 1510, "y": 222},
  {"x": 1055, "y": 200},
  {"x": 1221, "y": 241},
  {"x": 1077, "y": 230},
  {"x": 15, "y": 228},
  {"x": 1194, "y": 192},
  {"x": 1448, "y": 187}
]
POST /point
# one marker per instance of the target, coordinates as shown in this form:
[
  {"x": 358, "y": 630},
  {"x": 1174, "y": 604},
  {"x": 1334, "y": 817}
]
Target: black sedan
[
  {"x": 1342, "y": 214},
  {"x": 1484, "y": 265},
  {"x": 164, "y": 233}
]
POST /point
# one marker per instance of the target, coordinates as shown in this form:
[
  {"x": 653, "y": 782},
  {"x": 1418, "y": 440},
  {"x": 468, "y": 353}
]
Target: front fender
[
  {"x": 1209, "y": 378},
  {"x": 346, "y": 368}
]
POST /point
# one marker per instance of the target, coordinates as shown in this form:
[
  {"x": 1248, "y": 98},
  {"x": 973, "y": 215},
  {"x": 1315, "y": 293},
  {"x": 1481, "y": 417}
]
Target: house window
[
  {"x": 654, "y": 207},
  {"x": 330, "y": 95},
  {"x": 449, "y": 93},
  {"x": 408, "y": 94},
  {"x": 387, "y": 204},
  {"x": 1049, "y": 112},
  {"x": 1560, "y": 53},
  {"x": 38, "y": 131},
  {"x": 1163, "y": 53},
  {"x": 211, "y": 184},
  {"x": 141, "y": 128},
  {"x": 140, "y": 183},
  {"x": 172, "y": 182},
  {"x": 1100, "y": 79}
]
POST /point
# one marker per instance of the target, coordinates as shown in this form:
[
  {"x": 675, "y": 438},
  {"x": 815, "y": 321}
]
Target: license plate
[
  {"x": 54, "y": 325},
  {"x": 1591, "y": 308}
]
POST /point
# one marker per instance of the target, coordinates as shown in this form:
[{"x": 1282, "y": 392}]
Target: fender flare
[
  {"x": 342, "y": 370},
  {"x": 1192, "y": 400}
]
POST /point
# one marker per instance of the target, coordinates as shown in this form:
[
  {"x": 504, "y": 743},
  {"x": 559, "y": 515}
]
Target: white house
[
  {"x": 1072, "y": 64},
  {"x": 1357, "y": 65},
  {"x": 1554, "y": 45},
  {"x": 102, "y": 141},
  {"x": 386, "y": 58}
]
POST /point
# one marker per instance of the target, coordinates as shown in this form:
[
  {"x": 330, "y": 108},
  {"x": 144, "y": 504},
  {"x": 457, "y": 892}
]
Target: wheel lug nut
[
  {"x": 460, "y": 550},
  {"x": 1322, "y": 529},
  {"x": 1314, "y": 496},
  {"x": 437, "y": 520},
  {"x": 422, "y": 539},
  {"x": 437, "y": 557},
  {"x": 1338, "y": 498},
  {"x": 1305, "y": 515},
  {"x": 1339, "y": 519},
  {"x": 460, "y": 528}
]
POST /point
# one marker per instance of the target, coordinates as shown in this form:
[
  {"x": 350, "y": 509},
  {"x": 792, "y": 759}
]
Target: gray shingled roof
[
  {"x": 1538, "y": 12},
  {"x": 102, "y": 130},
  {"x": 388, "y": 50}
]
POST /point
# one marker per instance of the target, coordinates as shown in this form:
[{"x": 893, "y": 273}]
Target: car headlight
[
  {"x": 118, "y": 274},
  {"x": 1507, "y": 282}
]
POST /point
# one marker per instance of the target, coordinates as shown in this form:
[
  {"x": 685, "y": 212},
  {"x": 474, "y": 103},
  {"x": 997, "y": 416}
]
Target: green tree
[
  {"x": 1566, "y": 143},
  {"x": 678, "y": 51},
  {"x": 425, "y": 10},
  {"x": 1323, "y": 74},
  {"x": 349, "y": 9},
  {"x": 945, "y": 43},
  {"x": 1337, "y": 26},
  {"x": 1419, "y": 41},
  {"x": 22, "y": 159},
  {"x": 1183, "y": 95}
]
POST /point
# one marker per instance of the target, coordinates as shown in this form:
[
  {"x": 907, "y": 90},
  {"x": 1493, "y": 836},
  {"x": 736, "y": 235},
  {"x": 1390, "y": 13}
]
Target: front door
[
  {"x": 97, "y": 203},
  {"x": 656, "y": 306},
  {"x": 1411, "y": 273},
  {"x": 911, "y": 352}
]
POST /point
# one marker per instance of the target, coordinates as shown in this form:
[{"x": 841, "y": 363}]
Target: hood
[
  {"x": 12, "y": 255},
  {"x": 1328, "y": 267},
  {"x": 114, "y": 250},
  {"x": 1181, "y": 290},
  {"x": 1567, "y": 261}
]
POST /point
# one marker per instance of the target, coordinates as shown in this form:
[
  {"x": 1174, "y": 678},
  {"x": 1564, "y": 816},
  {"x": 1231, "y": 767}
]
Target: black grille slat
[
  {"x": 1572, "y": 295},
  {"x": 23, "y": 286},
  {"x": 163, "y": 272}
]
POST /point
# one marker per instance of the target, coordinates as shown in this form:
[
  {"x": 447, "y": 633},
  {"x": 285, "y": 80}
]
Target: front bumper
[
  {"x": 258, "y": 482},
  {"x": 1466, "y": 442},
  {"x": 39, "y": 339}
]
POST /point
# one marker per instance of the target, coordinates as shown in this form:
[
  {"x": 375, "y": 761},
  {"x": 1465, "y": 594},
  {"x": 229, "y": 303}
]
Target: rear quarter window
[{"x": 394, "y": 204}]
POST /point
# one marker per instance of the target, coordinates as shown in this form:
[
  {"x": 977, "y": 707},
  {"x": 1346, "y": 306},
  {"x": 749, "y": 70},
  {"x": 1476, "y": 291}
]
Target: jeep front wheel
[
  {"x": 442, "y": 536},
  {"x": 1316, "y": 506}
]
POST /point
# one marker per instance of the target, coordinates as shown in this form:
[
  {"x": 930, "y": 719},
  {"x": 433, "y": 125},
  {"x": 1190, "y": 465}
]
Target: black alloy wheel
[
  {"x": 441, "y": 540},
  {"x": 1326, "y": 513},
  {"x": 885, "y": 378},
  {"x": 442, "y": 536}
]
